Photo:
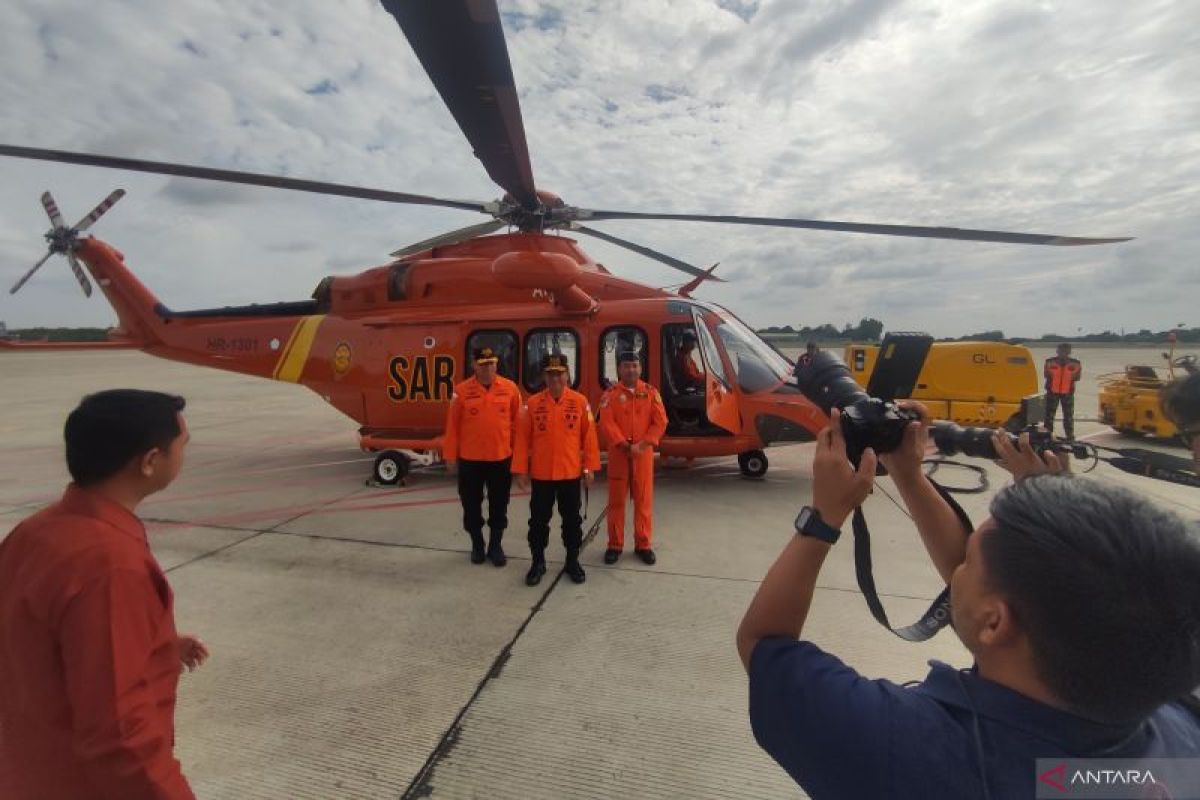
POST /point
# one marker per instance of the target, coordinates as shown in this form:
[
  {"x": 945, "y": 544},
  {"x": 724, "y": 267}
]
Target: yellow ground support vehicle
[
  {"x": 973, "y": 383},
  {"x": 1129, "y": 400}
]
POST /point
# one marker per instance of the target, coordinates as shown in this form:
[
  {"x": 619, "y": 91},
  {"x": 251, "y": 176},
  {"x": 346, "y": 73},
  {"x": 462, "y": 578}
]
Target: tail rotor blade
[
  {"x": 99, "y": 210},
  {"x": 29, "y": 274},
  {"x": 84, "y": 283},
  {"x": 52, "y": 211}
]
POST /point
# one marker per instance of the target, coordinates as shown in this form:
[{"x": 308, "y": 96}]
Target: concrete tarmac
[{"x": 357, "y": 653}]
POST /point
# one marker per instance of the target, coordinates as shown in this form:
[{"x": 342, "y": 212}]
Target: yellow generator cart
[
  {"x": 1129, "y": 400},
  {"x": 973, "y": 383}
]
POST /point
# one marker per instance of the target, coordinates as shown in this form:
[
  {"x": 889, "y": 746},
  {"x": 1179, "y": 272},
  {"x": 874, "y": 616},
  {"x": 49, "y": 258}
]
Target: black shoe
[
  {"x": 495, "y": 554},
  {"x": 611, "y": 555},
  {"x": 536, "y": 570},
  {"x": 647, "y": 555},
  {"x": 575, "y": 571},
  {"x": 477, "y": 552}
]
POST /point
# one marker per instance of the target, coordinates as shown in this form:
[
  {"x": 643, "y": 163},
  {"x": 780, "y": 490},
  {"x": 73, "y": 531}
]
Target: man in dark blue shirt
[{"x": 1080, "y": 603}]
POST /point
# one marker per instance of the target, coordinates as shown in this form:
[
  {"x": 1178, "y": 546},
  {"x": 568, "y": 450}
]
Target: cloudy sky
[{"x": 1071, "y": 118}]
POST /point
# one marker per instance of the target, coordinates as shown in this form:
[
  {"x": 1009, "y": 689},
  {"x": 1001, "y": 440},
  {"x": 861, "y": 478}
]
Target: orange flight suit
[
  {"x": 629, "y": 416},
  {"x": 482, "y": 421},
  {"x": 556, "y": 440},
  {"x": 687, "y": 372}
]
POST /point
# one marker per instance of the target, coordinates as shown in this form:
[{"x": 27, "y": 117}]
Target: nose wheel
[
  {"x": 753, "y": 463},
  {"x": 390, "y": 467}
]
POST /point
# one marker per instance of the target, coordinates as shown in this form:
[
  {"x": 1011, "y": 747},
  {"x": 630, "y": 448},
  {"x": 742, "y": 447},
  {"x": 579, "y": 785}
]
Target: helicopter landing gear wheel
[
  {"x": 753, "y": 463},
  {"x": 390, "y": 467}
]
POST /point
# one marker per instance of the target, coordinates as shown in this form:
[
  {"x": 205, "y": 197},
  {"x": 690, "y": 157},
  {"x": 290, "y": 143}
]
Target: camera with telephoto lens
[{"x": 871, "y": 421}]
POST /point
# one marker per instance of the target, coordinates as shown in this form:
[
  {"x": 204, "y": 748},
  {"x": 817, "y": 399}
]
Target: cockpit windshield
[{"x": 757, "y": 366}]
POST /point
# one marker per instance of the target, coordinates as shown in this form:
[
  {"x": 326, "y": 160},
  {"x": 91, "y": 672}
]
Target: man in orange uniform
[
  {"x": 687, "y": 374},
  {"x": 555, "y": 446},
  {"x": 88, "y": 650},
  {"x": 479, "y": 445},
  {"x": 633, "y": 420},
  {"x": 1062, "y": 373}
]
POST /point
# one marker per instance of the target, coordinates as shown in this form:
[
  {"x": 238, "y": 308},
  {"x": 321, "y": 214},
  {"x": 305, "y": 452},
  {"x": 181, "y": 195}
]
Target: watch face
[{"x": 803, "y": 517}]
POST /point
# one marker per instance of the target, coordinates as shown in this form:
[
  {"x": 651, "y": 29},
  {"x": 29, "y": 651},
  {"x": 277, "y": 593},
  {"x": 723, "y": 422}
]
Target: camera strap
[{"x": 938, "y": 614}]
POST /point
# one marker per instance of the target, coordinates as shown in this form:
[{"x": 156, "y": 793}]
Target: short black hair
[
  {"x": 1106, "y": 585},
  {"x": 1181, "y": 401},
  {"x": 111, "y": 428}
]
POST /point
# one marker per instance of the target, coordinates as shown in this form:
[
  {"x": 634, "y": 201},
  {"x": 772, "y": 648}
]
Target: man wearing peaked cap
[
  {"x": 555, "y": 446},
  {"x": 633, "y": 420},
  {"x": 478, "y": 445}
]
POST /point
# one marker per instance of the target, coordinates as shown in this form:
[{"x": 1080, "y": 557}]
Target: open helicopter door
[{"x": 720, "y": 399}]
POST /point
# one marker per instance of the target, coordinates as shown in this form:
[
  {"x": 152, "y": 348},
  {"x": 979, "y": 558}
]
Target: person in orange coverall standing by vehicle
[
  {"x": 480, "y": 426},
  {"x": 89, "y": 655},
  {"x": 556, "y": 447},
  {"x": 633, "y": 420}
]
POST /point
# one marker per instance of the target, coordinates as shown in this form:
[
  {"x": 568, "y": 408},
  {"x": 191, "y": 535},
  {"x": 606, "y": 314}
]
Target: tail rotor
[{"x": 64, "y": 241}]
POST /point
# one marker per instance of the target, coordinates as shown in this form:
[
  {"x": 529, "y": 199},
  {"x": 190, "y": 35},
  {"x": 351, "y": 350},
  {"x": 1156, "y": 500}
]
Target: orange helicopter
[{"x": 386, "y": 346}]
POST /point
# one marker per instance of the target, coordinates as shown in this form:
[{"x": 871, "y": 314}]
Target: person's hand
[
  {"x": 905, "y": 460},
  {"x": 192, "y": 651},
  {"x": 637, "y": 448},
  {"x": 588, "y": 477},
  {"x": 1022, "y": 460},
  {"x": 451, "y": 467},
  {"x": 837, "y": 488},
  {"x": 523, "y": 482}
]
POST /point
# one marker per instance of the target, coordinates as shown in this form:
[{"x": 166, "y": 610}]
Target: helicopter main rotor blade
[
  {"x": 965, "y": 234},
  {"x": 233, "y": 176},
  {"x": 84, "y": 283},
  {"x": 452, "y": 237},
  {"x": 670, "y": 261},
  {"x": 25, "y": 278},
  {"x": 460, "y": 43}
]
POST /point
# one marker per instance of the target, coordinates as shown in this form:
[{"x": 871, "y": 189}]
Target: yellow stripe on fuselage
[{"x": 291, "y": 363}]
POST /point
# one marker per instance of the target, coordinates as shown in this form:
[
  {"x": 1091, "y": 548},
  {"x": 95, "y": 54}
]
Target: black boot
[
  {"x": 477, "y": 554},
  {"x": 495, "y": 552},
  {"x": 536, "y": 570},
  {"x": 573, "y": 569}
]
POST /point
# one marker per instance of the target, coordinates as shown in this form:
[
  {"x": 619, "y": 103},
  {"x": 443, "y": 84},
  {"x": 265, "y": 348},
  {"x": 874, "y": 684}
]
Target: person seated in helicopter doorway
[
  {"x": 555, "y": 450},
  {"x": 683, "y": 364},
  {"x": 1180, "y": 401},
  {"x": 633, "y": 419},
  {"x": 478, "y": 445}
]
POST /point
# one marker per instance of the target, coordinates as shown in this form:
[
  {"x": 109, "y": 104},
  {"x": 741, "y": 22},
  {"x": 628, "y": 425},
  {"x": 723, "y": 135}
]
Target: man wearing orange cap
[
  {"x": 555, "y": 446},
  {"x": 633, "y": 420},
  {"x": 478, "y": 445}
]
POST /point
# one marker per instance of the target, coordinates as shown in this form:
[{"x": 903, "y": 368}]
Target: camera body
[{"x": 871, "y": 422}]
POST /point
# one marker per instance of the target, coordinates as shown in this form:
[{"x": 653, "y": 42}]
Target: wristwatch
[{"x": 809, "y": 523}]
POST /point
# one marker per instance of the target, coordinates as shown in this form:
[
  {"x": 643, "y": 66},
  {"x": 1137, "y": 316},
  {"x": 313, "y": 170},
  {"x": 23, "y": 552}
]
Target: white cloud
[{"x": 1072, "y": 118}]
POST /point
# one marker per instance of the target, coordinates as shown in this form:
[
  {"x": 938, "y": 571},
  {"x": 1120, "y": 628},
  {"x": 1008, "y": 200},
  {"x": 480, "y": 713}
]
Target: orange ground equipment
[{"x": 386, "y": 346}]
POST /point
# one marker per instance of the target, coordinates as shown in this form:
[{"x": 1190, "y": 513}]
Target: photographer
[{"x": 1078, "y": 601}]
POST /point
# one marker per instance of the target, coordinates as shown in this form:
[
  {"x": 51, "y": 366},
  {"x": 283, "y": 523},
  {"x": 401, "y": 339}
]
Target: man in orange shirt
[
  {"x": 633, "y": 420},
  {"x": 555, "y": 446},
  {"x": 88, "y": 650},
  {"x": 478, "y": 445},
  {"x": 1062, "y": 373},
  {"x": 687, "y": 374}
]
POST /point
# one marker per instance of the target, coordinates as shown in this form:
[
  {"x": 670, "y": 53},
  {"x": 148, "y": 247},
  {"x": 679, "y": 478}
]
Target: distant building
[{"x": 4, "y": 334}]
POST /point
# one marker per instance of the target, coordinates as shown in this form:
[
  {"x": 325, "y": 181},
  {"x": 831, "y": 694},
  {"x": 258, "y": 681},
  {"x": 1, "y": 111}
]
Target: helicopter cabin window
[
  {"x": 546, "y": 341},
  {"x": 616, "y": 341},
  {"x": 712, "y": 356},
  {"x": 504, "y": 343}
]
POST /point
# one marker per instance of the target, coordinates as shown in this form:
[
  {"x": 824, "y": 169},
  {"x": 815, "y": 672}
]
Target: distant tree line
[
  {"x": 59, "y": 334},
  {"x": 870, "y": 330}
]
